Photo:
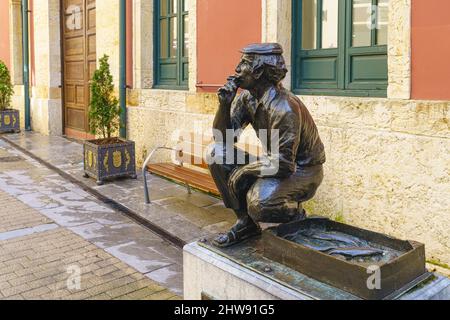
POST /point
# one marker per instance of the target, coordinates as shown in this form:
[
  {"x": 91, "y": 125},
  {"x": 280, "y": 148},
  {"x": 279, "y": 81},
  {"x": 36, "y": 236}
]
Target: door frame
[{"x": 62, "y": 86}]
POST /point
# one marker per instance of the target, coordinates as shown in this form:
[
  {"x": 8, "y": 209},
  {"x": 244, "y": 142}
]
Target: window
[
  {"x": 340, "y": 47},
  {"x": 171, "y": 44}
]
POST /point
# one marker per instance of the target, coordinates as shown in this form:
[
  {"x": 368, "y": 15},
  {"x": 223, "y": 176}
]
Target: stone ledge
[
  {"x": 206, "y": 272},
  {"x": 201, "y": 265}
]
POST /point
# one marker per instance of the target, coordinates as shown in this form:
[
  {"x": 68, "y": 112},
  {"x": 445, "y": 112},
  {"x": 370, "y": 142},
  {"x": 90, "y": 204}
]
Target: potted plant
[
  {"x": 9, "y": 118},
  {"x": 109, "y": 156}
]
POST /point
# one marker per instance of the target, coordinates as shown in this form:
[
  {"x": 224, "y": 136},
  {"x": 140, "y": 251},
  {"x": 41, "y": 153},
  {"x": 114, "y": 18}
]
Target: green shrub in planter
[
  {"x": 9, "y": 118},
  {"x": 108, "y": 157}
]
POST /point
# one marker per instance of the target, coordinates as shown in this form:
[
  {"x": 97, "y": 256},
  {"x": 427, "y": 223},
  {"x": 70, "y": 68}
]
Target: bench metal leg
[
  {"x": 144, "y": 171},
  {"x": 188, "y": 187},
  {"x": 186, "y": 183}
]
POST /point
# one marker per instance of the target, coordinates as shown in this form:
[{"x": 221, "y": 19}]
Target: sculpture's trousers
[{"x": 270, "y": 200}]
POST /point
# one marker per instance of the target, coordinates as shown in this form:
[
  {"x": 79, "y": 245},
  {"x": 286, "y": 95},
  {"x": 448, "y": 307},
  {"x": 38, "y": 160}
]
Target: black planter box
[
  {"x": 9, "y": 121},
  {"x": 396, "y": 274},
  {"x": 108, "y": 161}
]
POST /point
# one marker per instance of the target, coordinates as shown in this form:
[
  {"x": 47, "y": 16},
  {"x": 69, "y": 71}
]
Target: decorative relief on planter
[
  {"x": 90, "y": 160},
  {"x": 128, "y": 159},
  {"x": 106, "y": 161},
  {"x": 117, "y": 159}
]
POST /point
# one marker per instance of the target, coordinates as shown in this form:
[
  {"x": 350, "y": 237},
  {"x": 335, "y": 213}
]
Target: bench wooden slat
[
  {"x": 188, "y": 173},
  {"x": 184, "y": 175},
  {"x": 193, "y": 160},
  {"x": 195, "y": 179},
  {"x": 199, "y": 161}
]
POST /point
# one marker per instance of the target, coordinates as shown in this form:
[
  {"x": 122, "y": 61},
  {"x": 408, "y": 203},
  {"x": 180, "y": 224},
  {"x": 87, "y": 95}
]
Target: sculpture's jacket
[{"x": 299, "y": 143}]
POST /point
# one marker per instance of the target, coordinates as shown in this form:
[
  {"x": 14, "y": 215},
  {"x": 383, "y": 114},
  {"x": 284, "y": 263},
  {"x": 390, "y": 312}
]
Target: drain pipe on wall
[
  {"x": 26, "y": 64},
  {"x": 123, "y": 69}
]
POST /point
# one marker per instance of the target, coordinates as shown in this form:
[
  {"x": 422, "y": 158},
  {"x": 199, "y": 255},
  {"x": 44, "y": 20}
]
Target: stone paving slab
[
  {"x": 31, "y": 185},
  {"x": 15, "y": 215},
  {"x": 187, "y": 217},
  {"x": 38, "y": 265}
]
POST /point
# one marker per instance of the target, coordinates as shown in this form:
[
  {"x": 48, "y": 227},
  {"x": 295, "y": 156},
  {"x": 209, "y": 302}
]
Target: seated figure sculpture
[{"x": 272, "y": 188}]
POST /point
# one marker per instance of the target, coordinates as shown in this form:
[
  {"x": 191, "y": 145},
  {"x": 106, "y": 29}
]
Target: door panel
[{"x": 79, "y": 59}]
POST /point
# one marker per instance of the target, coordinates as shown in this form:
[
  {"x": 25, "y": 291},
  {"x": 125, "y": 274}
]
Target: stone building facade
[{"x": 388, "y": 166}]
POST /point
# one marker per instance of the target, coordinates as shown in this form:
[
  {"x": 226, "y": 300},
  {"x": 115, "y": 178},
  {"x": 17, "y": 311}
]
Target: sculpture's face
[{"x": 245, "y": 74}]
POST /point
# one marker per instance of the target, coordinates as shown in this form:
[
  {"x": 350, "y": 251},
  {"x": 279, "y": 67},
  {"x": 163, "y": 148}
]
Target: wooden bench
[{"x": 191, "y": 169}]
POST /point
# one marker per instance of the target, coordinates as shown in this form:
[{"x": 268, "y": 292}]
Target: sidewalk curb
[{"x": 176, "y": 241}]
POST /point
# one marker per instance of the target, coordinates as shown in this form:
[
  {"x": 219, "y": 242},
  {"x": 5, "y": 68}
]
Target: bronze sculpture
[{"x": 253, "y": 190}]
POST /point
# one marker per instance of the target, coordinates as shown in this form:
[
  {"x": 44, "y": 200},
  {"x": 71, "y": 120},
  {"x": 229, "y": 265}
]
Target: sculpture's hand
[{"x": 228, "y": 92}]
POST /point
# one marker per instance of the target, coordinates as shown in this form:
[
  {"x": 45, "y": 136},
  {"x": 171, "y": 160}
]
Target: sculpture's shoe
[{"x": 236, "y": 236}]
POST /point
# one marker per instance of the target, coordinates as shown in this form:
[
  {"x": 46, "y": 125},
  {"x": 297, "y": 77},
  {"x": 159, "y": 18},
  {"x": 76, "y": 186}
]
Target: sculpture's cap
[{"x": 263, "y": 48}]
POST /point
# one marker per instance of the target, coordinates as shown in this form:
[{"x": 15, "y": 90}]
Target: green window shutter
[
  {"x": 318, "y": 69},
  {"x": 356, "y": 61},
  {"x": 366, "y": 61},
  {"x": 316, "y": 65},
  {"x": 171, "y": 56},
  {"x": 367, "y": 69}
]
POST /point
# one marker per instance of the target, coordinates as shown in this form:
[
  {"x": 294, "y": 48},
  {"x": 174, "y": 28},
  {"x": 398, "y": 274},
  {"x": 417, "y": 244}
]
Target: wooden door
[{"x": 79, "y": 60}]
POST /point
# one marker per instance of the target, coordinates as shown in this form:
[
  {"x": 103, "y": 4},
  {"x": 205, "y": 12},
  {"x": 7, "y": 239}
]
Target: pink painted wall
[
  {"x": 224, "y": 27},
  {"x": 431, "y": 49},
  {"x": 5, "y": 54}
]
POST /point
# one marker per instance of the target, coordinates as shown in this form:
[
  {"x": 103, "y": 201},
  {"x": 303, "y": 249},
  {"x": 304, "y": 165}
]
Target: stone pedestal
[{"x": 244, "y": 275}]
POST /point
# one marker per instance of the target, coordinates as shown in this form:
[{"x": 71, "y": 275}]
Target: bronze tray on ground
[{"x": 406, "y": 267}]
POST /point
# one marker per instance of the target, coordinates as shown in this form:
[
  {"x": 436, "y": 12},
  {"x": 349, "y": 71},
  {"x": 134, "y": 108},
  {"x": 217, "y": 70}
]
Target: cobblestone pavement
[{"x": 51, "y": 231}]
